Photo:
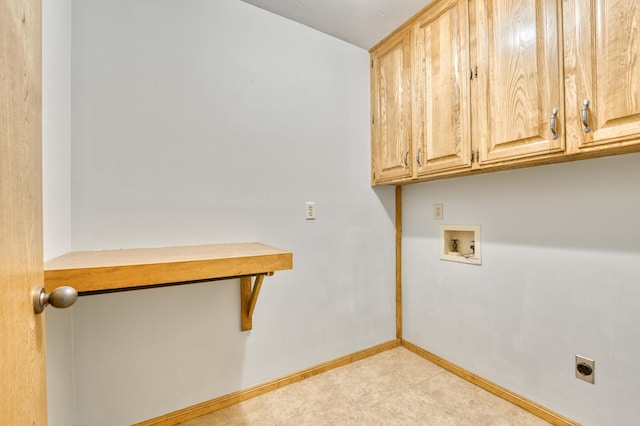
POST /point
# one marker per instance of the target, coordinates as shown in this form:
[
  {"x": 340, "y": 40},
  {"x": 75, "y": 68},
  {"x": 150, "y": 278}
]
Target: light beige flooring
[{"x": 395, "y": 387}]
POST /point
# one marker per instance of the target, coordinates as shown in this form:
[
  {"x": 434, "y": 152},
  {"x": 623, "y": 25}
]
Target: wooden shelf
[{"x": 108, "y": 270}]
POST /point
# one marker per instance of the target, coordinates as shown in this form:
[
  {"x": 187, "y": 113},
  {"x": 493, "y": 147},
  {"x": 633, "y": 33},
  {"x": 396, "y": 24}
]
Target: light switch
[{"x": 438, "y": 212}]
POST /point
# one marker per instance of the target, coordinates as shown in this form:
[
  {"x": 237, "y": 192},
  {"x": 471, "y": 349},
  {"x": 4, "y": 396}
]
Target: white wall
[
  {"x": 211, "y": 122},
  {"x": 56, "y": 147},
  {"x": 56, "y": 126},
  {"x": 559, "y": 277}
]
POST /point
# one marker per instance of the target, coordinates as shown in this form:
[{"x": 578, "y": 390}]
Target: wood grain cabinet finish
[
  {"x": 504, "y": 84},
  {"x": 520, "y": 86},
  {"x": 441, "y": 101},
  {"x": 391, "y": 110},
  {"x": 602, "y": 59}
]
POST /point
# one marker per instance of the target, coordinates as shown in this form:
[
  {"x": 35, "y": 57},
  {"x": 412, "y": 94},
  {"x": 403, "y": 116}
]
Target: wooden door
[
  {"x": 441, "y": 107},
  {"x": 391, "y": 109},
  {"x": 603, "y": 67},
  {"x": 520, "y": 79},
  {"x": 22, "y": 355}
]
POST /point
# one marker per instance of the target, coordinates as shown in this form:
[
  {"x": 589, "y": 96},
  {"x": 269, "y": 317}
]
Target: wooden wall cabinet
[
  {"x": 441, "y": 95},
  {"x": 519, "y": 103},
  {"x": 602, "y": 62},
  {"x": 498, "y": 85},
  {"x": 391, "y": 109}
]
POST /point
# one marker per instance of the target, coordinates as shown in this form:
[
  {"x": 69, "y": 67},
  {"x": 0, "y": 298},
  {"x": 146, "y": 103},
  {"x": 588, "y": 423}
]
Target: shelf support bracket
[{"x": 248, "y": 297}]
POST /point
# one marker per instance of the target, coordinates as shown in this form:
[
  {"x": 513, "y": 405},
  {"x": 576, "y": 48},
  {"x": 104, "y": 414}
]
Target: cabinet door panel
[
  {"x": 391, "y": 111},
  {"x": 441, "y": 84},
  {"x": 520, "y": 79},
  {"x": 608, "y": 67}
]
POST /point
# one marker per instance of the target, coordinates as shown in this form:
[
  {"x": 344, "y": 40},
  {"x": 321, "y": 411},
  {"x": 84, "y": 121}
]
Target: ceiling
[{"x": 360, "y": 22}]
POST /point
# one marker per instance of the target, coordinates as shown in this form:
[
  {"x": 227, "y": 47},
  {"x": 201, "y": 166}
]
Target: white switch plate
[
  {"x": 310, "y": 212},
  {"x": 438, "y": 212}
]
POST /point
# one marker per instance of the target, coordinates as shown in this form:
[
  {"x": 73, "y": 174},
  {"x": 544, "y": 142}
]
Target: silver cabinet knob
[
  {"x": 405, "y": 160},
  {"x": 61, "y": 297},
  {"x": 552, "y": 123},
  {"x": 585, "y": 116}
]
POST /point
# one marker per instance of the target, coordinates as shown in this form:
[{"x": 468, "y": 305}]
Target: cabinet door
[
  {"x": 441, "y": 107},
  {"x": 391, "y": 110},
  {"x": 520, "y": 80},
  {"x": 603, "y": 59}
]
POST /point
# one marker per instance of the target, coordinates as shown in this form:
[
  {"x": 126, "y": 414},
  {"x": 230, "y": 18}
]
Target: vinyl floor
[{"x": 395, "y": 387}]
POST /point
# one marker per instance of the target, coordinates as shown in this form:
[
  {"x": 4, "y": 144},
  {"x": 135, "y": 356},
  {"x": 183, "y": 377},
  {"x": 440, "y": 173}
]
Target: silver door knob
[{"x": 61, "y": 297}]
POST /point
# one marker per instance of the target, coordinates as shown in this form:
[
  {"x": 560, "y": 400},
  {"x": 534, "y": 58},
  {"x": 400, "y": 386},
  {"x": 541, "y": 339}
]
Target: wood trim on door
[{"x": 23, "y": 398}]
